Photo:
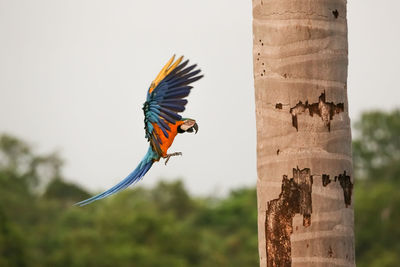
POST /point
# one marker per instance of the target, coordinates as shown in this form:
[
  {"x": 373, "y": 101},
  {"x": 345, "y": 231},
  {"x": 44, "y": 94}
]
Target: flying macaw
[{"x": 165, "y": 99}]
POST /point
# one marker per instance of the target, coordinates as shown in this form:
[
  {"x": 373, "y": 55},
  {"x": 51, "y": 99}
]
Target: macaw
[{"x": 162, "y": 122}]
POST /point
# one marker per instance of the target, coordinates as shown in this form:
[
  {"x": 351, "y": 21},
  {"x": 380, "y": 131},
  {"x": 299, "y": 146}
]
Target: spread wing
[{"x": 166, "y": 98}]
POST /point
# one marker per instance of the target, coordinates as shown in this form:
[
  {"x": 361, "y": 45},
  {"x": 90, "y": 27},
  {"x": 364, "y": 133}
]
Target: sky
[{"x": 74, "y": 75}]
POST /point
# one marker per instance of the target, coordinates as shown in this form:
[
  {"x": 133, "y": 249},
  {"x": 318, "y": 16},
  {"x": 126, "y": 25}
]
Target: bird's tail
[{"x": 133, "y": 177}]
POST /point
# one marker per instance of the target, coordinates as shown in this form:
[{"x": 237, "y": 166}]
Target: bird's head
[{"x": 188, "y": 125}]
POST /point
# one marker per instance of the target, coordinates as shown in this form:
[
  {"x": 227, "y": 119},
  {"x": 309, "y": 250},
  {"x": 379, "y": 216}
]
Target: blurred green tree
[
  {"x": 376, "y": 150},
  {"x": 12, "y": 250},
  {"x": 376, "y": 146},
  {"x": 64, "y": 191}
]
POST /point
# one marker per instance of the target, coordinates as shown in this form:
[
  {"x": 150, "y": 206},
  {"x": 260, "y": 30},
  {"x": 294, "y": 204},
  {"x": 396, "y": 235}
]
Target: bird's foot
[{"x": 171, "y": 155}]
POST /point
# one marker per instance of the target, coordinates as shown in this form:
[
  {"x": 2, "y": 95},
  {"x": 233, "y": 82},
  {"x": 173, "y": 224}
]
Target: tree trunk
[{"x": 304, "y": 187}]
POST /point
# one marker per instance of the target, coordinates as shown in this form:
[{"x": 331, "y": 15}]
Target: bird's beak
[{"x": 196, "y": 128}]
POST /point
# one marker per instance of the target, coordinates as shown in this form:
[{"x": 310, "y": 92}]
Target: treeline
[{"x": 165, "y": 225}]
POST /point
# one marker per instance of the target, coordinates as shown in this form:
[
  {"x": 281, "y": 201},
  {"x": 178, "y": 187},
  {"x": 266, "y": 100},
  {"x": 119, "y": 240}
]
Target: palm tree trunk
[{"x": 305, "y": 182}]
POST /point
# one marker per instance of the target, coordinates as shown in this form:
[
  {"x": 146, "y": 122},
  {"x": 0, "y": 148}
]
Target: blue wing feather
[
  {"x": 173, "y": 107},
  {"x": 176, "y": 101},
  {"x": 170, "y": 113},
  {"x": 188, "y": 69},
  {"x": 167, "y": 117},
  {"x": 178, "y": 94}
]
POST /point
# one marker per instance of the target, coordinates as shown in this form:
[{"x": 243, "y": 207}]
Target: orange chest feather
[{"x": 167, "y": 142}]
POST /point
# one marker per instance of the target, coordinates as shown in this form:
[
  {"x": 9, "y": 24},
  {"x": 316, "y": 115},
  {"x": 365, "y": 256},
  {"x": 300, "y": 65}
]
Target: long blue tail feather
[{"x": 135, "y": 176}]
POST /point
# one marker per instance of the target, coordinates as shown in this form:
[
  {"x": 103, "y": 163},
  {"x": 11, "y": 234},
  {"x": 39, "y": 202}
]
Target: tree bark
[{"x": 305, "y": 182}]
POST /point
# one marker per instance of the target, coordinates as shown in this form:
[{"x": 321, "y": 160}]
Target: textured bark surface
[{"x": 303, "y": 132}]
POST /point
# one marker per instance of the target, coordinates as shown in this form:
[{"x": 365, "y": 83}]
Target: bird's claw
[{"x": 171, "y": 155}]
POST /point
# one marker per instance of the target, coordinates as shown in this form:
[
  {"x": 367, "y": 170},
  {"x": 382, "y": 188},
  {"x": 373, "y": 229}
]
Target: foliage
[
  {"x": 376, "y": 147},
  {"x": 163, "y": 226},
  {"x": 376, "y": 150},
  {"x": 377, "y": 217},
  {"x": 166, "y": 226}
]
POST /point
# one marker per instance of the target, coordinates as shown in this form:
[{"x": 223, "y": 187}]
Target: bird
[{"x": 166, "y": 98}]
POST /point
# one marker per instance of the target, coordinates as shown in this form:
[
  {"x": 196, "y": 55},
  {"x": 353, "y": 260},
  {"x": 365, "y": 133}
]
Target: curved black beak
[{"x": 196, "y": 128}]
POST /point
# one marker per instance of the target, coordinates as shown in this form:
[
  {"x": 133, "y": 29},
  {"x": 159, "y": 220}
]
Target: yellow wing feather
[{"x": 164, "y": 72}]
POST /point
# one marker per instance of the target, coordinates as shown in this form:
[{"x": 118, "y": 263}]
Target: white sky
[{"x": 74, "y": 75}]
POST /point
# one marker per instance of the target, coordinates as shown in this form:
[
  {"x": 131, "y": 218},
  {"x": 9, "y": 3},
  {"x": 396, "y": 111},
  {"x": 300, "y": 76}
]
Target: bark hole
[
  {"x": 330, "y": 252},
  {"x": 347, "y": 187},
  {"x": 345, "y": 183},
  {"x": 325, "y": 179},
  {"x": 325, "y": 110},
  {"x": 295, "y": 198},
  {"x": 335, "y": 13}
]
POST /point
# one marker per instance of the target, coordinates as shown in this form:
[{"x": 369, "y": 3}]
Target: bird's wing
[
  {"x": 166, "y": 98},
  {"x": 133, "y": 177}
]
